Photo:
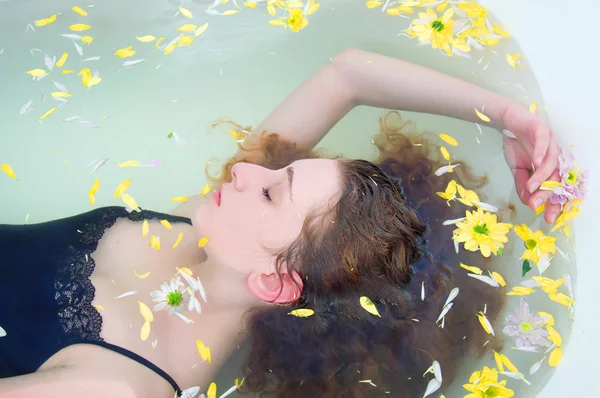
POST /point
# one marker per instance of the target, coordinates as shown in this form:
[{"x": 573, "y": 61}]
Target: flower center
[
  {"x": 491, "y": 392},
  {"x": 572, "y": 178},
  {"x": 526, "y": 326},
  {"x": 175, "y": 299},
  {"x": 530, "y": 244},
  {"x": 437, "y": 25},
  {"x": 481, "y": 229}
]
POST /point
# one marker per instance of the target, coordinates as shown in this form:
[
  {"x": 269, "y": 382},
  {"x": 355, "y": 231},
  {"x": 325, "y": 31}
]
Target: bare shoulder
[{"x": 189, "y": 207}]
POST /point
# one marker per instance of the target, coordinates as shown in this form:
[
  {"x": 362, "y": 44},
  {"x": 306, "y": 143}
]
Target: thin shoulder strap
[
  {"x": 139, "y": 359},
  {"x": 149, "y": 215}
]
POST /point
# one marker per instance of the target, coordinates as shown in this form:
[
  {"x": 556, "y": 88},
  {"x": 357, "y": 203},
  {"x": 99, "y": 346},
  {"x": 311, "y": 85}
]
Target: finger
[
  {"x": 543, "y": 172},
  {"x": 542, "y": 143},
  {"x": 521, "y": 176},
  {"x": 552, "y": 212},
  {"x": 540, "y": 197}
]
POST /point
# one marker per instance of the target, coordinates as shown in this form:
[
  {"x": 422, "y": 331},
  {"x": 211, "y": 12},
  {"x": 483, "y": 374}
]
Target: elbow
[{"x": 344, "y": 69}]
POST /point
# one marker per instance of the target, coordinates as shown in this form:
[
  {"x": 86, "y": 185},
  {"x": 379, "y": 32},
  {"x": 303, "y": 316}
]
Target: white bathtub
[{"x": 566, "y": 66}]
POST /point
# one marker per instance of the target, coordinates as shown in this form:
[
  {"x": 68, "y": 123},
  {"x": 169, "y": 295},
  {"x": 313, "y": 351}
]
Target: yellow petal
[
  {"x": 313, "y": 8},
  {"x": 212, "y": 390},
  {"x": 190, "y": 27},
  {"x": 169, "y": 49},
  {"x": 485, "y": 323},
  {"x": 87, "y": 40},
  {"x": 499, "y": 278},
  {"x": 449, "y": 139},
  {"x": 500, "y": 31},
  {"x": 302, "y": 312},
  {"x": 250, "y": 4},
  {"x": 202, "y": 350},
  {"x": 91, "y": 198},
  {"x": 79, "y": 27},
  {"x": 499, "y": 363},
  {"x": 549, "y": 318},
  {"x": 60, "y": 94},
  {"x": 201, "y": 30},
  {"x": 552, "y": 184},
  {"x": 80, "y": 11},
  {"x": 8, "y": 171},
  {"x": 125, "y": 52},
  {"x": 141, "y": 276},
  {"x": 185, "y": 270},
  {"x": 445, "y": 153},
  {"x": 471, "y": 269},
  {"x": 155, "y": 243},
  {"x": 483, "y": 117},
  {"x": 202, "y": 242},
  {"x": 145, "y": 331},
  {"x": 555, "y": 357},
  {"x": 554, "y": 336},
  {"x": 540, "y": 209},
  {"x": 186, "y": 13},
  {"x": 166, "y": 224},
  {"x": 373, "y": 4},
  {"x": 533, "y": 107},
  {"x": 98, "y": 306},
  {"x": 230, "y": 12},
  {"x": 121, "y": 188},
  {"x": 146, "y": 313},
  {"x": 129, "y": 163},
  {"x": 95, "y": 186},
  {"x": 274, "y": 22},
  {"x": 62, "y": 60},
  {"x": 145, "y": 228},
  {"x": 506, "y": 362},
  {"x": 37, "y": 72},
  {"x": 46, "y": 21},
  {"x": 179, "y": 237},
  {"x": 67, "y": 71},
  {"x": 157, "y": 44},
  {"x": 146, "y": 39},
  {"x": 209, "y": 359},
  {"x": 129, "y": 201},
  {"x": 185, "y": 40},
  {"x": 179, "y": 199},
  {"x": 271, "y": 9},
  {"x": 368, "y": 305},
  {"x": 206, "y": 189}
]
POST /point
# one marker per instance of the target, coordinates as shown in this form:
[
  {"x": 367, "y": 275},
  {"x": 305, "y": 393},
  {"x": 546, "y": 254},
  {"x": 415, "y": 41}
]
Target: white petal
[
  {"x": 422, "y": 291},
  {"x": 89, "y": 124},
  {"x": 444, "y": 169},
  {"x": 527, "y": 349},
  {"x": 485, "y": 279},
  {"x": 232, "y": 388},
  {"x": 127, "y": 294},
  {"x": 453, "y": 293},
  {"x": 544, "y": 263},
  {"x": 455, "y": 245},
  {"x": 437, "y": 371},
  {"x": 553, "y": 346},
  {"x": 25, "y": 109},
  {"x": 61, "y": 87},
  {"x": 509, "y": 133},
  {"x": 536, "y": 366},
  {"x": 569, "y": 284},
  {"x": 564, "y": 255},
  {"x": 190, "y": 392},
  {"x": 78, "y": 48},
  {"x": 201, "y": 290},
  {"x": 486, "y": 206},
  {"x": 516, "y": 376},
  {"x": 184, "y": 318},
  {"x": 452, "y": 222},
  {"x": 433, "y": 386},
  {"x": 70, "y": 119},
  {"x": 72, "y": 37},
  {"x": 2, "y": 332},
  {"x": 92, "y": 59},
  {"x": 210, "y": 11},
  {"x": 160, "y": 306},
  {"x": 444, "y": 311},
  {"x": 49, "y": 62},
  {"x": 530, "y": 283},
  {"x": 128, "y": 64}
]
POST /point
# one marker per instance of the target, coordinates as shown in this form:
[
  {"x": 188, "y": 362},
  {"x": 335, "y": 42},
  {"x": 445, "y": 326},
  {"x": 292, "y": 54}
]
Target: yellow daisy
[
  {"x": 429, "y": 28},
  {"x": 481, "y": 231},
  {"x": 536, "y": 243},
  {"x": 296, "y": 21},
  {"x": 484, "y": 384}
]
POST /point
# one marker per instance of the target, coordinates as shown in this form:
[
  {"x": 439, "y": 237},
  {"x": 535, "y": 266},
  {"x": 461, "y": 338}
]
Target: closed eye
[{"x": 265, "y": 193}]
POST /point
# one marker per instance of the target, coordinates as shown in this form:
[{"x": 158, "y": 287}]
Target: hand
[{"x": 533, "y": 157}]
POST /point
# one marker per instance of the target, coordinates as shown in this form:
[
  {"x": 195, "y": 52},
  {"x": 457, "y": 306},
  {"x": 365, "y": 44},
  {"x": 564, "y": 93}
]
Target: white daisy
[{"x": 171, "y": 295}]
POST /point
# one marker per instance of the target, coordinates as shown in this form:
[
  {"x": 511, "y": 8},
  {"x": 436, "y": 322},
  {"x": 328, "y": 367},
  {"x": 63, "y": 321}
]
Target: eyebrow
[{"x": 290, "y": 175}]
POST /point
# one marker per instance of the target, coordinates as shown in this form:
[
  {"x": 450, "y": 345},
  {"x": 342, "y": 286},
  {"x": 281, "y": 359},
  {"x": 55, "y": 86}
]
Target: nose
[{"x": 239, "y": 175}]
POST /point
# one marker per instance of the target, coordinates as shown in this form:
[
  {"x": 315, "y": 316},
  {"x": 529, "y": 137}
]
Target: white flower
[{"x": 171, "y": 295}]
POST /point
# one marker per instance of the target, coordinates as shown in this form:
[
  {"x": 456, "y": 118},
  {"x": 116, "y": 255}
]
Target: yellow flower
[
  {"x": 485, "y": 384},
  {"x": 481, "y": 231},
  {"x": 296, "y": 21},
  {"x": 450, "y": 193},
  {"x": 568, "y": 214},
  {"x": 476, "y": 11},
  {"x": 536, "y": 243},
  {"x": 467, "y": 197},
  {"x": 429, "y": 28}
]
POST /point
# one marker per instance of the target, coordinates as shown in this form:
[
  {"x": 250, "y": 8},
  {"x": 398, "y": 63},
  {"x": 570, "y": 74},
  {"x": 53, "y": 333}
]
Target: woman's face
[{"x": 264, "y": 209}]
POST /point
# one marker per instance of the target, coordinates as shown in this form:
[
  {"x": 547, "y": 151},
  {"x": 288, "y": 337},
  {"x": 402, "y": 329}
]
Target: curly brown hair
[{"x": 383, "y": 239}]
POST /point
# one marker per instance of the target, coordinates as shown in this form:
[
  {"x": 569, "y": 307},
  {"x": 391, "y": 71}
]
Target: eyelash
[{"x": 265, "y": 193}]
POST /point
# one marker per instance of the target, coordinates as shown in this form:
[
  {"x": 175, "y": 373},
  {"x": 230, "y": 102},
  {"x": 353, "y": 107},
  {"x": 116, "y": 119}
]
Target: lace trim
[{"x": 74, "y": 291}]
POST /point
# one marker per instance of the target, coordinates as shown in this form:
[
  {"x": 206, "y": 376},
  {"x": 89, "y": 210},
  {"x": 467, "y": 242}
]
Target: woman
[{"x": 288, "y": 231}]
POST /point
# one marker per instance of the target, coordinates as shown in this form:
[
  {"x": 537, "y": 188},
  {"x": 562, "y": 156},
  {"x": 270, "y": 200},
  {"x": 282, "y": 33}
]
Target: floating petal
[
  {"x": 445, "y": 169},
  {"x": 486, "y": 279},
  {"x": 482, "y": 116},
  {"x": 206, "y": 189},
  {"x": 179, "y": 237},
  {"x": 536, "y": 366},
  {"x": 202, "y": 242},
  {"x": 212, "y": 390},
  {"x": 8, "y": 171},
  {"x": 179, "y": 199},
  {"x": 485, "y": 323},
  {"x": 449, "y": 139},
  {"x": 302, "y": 312},
  {"x": 374, "y": 4},
  {"x": 145, "y": 332},
  {"x": 121, "y": 188},
  {"x": 533, "y": 107},
  {"x": 191, "y": 392},
  {"x": 141, "y": 276},
  {"x": 95, "y": 186},
  {"x": 166, "y": 224},
  {"x": 452, "y": 222},
  {"x": 186, "y": 13},
  {"x": 146, "y": 39},
  {"x": 46, "y": 21},
  {"x": 499, "y": 278},
  {"x": 432, "y": 386},
  {"x": 201, "y": 30},
  {"x": 453, "y": 293},
  {"x": 469, "y": 268},
  {"x": 555, "y": 357},
  {"x": 125, "y": 52},
  {"x": 368, "y": 306},
  {"x": 185, "y": 40},
  {"x": 230, "y": 12},
  {"x": 155, "y": 243},
  {"x": 146, "y": 312},
  {"x": 130, "y": 202},
  {"x": 79, "y": 27},
  {"x": 444, "y": 312},
  {"x": 127, "y": 294},
  {"x": 187, "y": 28},
  {"x": 554, "y": 336},
  {"x": 37, "y": 72},
  {"x": 445, "y": 153}
]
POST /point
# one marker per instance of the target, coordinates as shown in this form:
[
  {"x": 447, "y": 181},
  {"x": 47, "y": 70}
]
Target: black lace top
[{"x": 46, "y": 292}]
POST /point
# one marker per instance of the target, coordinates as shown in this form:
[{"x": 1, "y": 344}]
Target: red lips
[{"x": 217, "y": 197}]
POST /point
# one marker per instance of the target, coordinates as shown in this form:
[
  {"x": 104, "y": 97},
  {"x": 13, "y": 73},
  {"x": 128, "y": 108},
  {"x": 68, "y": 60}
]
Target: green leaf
[
  {"x": 170, "y": 135},
  {"x": 526, "y": 267},
  {"x": 500, "y": 251}
]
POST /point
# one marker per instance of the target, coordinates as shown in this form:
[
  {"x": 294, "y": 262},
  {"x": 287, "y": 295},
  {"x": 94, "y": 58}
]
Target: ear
[{"x": 273, "y": 289}]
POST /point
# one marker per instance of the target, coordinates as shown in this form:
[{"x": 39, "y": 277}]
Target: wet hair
[{"x": 383, "y": 239}]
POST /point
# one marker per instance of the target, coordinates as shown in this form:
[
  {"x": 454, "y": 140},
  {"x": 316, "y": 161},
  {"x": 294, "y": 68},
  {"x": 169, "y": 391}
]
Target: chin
[{"x": 201, "y": 218}]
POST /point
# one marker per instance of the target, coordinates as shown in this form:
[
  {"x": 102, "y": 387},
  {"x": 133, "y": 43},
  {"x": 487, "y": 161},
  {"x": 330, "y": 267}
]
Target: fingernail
[
  {"x": 537, "y": 204},
  {"x": 534, "y": 187}
]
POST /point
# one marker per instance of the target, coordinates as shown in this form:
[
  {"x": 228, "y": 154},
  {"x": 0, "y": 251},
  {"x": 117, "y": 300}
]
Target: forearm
[{"x": 385, "y": 82}]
